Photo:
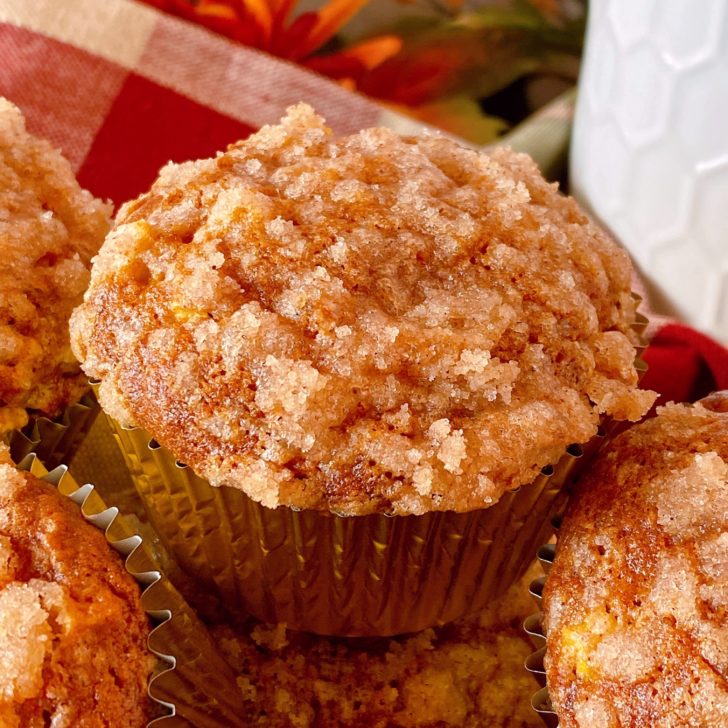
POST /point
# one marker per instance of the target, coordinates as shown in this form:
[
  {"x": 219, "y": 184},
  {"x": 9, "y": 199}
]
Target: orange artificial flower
[
  {"x": 267, "y": 25},
  {"x": 436, "y": 68}
]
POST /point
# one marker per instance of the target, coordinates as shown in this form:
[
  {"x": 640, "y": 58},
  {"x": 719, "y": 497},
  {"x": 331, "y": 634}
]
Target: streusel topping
[
  {"x": 636, "y": 603},
  {"x": 49, "y": 230},
  {"x": 367, "y": 323}
]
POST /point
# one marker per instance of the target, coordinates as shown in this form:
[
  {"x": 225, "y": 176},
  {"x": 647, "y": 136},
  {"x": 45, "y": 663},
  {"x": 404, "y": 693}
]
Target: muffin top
[
  {"x": 73, "y": 650},
  {"x": 636, "y": 603},
  {"x": 49, "y": 230},
  {"x": 373, "y": 323}
]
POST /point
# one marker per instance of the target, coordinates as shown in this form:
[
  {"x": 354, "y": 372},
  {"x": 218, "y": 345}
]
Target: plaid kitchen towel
[{"x": 122, "y": 89}]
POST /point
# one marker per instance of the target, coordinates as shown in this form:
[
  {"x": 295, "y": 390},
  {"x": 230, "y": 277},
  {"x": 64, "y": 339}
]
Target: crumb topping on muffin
[
  {"x": 72, "y": 629},
  {"x": 49, "y": 230},
  {"x": 636, "y": 603},
  {"x": 360, "y": 324}
]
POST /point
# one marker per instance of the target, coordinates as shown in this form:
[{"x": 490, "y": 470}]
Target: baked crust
[
  {"x": 72, "y": 629},
  {"x": 636, "y": 603},
  {"x": 49, "y": 230},
  {"x": 360, "y": 324}
]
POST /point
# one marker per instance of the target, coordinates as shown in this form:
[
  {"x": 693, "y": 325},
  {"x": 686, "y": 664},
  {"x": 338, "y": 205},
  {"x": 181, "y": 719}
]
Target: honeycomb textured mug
[{"x": 649, "y": 151}]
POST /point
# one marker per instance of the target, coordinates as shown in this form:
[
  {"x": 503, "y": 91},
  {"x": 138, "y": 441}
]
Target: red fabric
[
  {"x": 146, "y": 127},
  {"x": 65, "y": 92},
  {"x": 684, "y": 365},
  {"x": 169, "y": 91}
]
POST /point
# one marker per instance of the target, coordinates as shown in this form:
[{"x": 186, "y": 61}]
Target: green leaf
[{"x": 462, "y": 116}]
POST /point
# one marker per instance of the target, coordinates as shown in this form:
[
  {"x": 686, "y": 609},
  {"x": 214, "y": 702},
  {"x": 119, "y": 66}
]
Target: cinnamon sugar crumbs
[
  {"x": 49, "y": 230},
  {"x": 635, "y": 602},
  {"x": 315, "y": 287},
  {"x": 466, "y": 674}
]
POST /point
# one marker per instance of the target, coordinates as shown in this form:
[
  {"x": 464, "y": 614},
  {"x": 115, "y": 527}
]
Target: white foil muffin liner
[{"x": 192, "y": 684}]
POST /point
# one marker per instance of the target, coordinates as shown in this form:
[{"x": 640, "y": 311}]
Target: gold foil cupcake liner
[
  {"x": 534, "y": 628},
  {"x": 533, "y": 625},
  {"x": 54, "y": 441},
  {"x": 193, "y": 685},
  {"x": 348, "y": 576}
]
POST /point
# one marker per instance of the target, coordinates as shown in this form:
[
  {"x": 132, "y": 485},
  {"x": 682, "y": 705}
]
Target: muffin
[
  {"x": 49, "y": 230},
  {"x": 636, "y": 602},
  {"x": 72, "y": 629},
  {"x": 358, "y": 326}
]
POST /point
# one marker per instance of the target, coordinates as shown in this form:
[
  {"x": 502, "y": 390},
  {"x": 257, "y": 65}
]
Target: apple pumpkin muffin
[
  {"x": 360, "y": 325},
  {"x": 636, "y": 603},
  {"x": 72, "y": 629},
  {"x": 49, "y": 230}
]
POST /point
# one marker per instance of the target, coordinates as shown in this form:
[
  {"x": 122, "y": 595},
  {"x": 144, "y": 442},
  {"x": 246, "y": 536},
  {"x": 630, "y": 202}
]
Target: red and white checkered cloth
[{"x": 122, "y": 89}]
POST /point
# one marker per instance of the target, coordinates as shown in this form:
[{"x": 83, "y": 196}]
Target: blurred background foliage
[{"x": 473, "y": 68}]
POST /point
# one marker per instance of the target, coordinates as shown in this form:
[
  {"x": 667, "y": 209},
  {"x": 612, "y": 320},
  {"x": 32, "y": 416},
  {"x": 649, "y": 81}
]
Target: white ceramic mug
[{"x": 649, "y": 152}]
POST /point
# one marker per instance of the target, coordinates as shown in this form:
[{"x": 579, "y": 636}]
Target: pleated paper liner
[
  {"x": 54, "y": 441},
  {"x": 192, "y": 684},
  {"x": 534, "y": 627},
  {"x": 347, "y": 576}
]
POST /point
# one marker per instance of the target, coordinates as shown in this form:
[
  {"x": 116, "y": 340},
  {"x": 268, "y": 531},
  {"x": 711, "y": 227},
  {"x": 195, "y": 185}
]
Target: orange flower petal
[
  {"x": 251, "y": 21},
  {"x": 215, "y": 10},
  {"x": 375, "y": 51},
  {"x": 329, "y": 19},
  {"x": 281, "y": 9},
  {"x": 289, "y": 40},
  {"x": 262, "y": 15},
  {"x": 352, "y": 63}
]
